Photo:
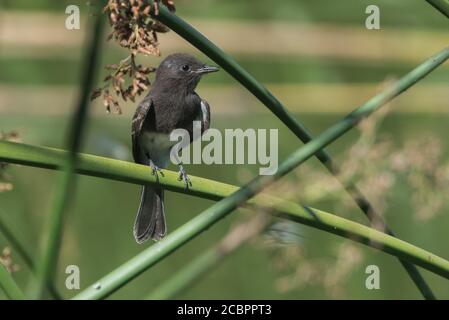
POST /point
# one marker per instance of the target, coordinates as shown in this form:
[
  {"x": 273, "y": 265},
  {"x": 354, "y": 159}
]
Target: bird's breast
[{"x": 157, "y": 146}]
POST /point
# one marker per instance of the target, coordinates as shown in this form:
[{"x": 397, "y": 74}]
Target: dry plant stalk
[
  {"x": 300, "y": 270},
  {"x": 133, "y": 28},
  {"x": 244, "y": 232}
]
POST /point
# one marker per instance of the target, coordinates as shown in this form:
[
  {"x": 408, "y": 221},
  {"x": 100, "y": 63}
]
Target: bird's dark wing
[
  {"x": 139, "y": 118},
  {"x": 205, "y": 115}
]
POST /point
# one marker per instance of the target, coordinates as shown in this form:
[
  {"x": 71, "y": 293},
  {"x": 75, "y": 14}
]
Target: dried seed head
[
  {"x": 7, "y": 261},
  {"x": 133, "y": 28},
  {"x": 5, "y": 185}
]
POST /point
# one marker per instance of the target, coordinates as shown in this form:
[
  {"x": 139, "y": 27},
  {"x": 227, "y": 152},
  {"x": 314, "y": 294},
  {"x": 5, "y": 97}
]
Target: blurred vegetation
[
  {"x": 59, "y": 71},
  {"x": 328, "y": 11},
  {"x": 98, "y": 234}
]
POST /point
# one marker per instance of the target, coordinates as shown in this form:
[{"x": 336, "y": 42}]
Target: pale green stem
[
  {"x": 47, "y": 261},
  {"x": 9, "y": 286}
]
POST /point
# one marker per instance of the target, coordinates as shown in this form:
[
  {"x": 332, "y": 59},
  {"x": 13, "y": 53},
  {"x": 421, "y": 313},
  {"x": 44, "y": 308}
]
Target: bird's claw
[
  {"x": 183, "y": 176},
  {"x": 155, "y": 170}
]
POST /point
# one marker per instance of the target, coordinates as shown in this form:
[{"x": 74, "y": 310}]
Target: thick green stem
[
  {"x": 133, "y": 173},
  {"x": 9, "y": 286},
  {"x": 259, "y": 91},
  {"x": 440, "y": 5},
  {"x": 47, "y": 261}
]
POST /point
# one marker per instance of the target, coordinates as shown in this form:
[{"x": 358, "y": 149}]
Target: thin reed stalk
[{"x": 64, "y": 189}]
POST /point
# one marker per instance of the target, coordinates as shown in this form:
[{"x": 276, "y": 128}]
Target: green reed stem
[
  {"x": 440, "y": 5},
  {"x": 189, "y": 274},
  {"x": 9, "y": 286},
  {"x": 47, "y": 261}
]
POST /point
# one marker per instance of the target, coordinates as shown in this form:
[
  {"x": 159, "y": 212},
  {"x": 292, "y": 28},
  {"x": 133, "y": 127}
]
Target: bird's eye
[{"x": 185, "y": 67}]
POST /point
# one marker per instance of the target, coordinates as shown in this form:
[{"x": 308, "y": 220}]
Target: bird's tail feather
[{"x": 150, "y": 220}]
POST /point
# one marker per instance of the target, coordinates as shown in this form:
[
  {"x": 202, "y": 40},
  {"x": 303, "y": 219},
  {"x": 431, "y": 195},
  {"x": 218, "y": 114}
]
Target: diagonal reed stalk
[
  {"x": 190, "y": 34},
  {"x": 47, "y": 261},
  {"x": 9, "y": 286},
  {"x": 221, "y": 209},
  {"x": 440, "y": 5},
  {"x": 236, "y": 238},
  {"x": 51, "y": 158}
]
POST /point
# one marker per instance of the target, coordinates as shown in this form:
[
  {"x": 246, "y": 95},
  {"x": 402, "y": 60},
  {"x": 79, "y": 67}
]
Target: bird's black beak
[{"x": 206, "y": 69}]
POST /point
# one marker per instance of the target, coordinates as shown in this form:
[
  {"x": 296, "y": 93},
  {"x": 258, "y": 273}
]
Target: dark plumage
[{"x": 172, "y": 103}]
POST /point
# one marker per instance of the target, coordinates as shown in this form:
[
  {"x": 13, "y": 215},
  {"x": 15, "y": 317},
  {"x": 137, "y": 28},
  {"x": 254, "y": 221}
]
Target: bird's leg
[
  {"x": 155, "y": 170},
  {"x": 183, "y": 176}
]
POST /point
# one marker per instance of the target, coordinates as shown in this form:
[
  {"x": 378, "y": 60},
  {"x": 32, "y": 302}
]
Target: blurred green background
[{"x": 316, "y": 56}]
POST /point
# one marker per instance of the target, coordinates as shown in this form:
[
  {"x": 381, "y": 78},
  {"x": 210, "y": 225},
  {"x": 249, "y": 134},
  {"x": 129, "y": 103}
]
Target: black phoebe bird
[{"x": 172, "y": 103}]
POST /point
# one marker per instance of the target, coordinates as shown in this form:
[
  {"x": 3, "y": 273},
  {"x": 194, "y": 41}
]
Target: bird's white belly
[{"x": 157, "y": 146}]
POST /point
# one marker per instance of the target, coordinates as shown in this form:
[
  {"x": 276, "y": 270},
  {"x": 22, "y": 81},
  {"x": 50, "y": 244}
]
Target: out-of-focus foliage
[
  {"x": 378, "y": 166},
  {"x": 403, "y": 174}
]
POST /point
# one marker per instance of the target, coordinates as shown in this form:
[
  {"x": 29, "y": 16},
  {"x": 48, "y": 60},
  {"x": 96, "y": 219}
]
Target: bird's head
[{"x": 182, "y": 70}]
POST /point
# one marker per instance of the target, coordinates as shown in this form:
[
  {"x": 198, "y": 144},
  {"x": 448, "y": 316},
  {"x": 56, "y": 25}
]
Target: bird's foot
[
  {"x": 183, "y": 176},
  {"x": 155, "y": 170}
]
